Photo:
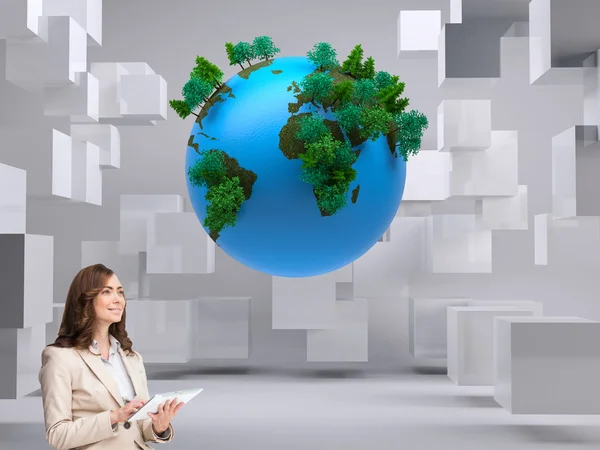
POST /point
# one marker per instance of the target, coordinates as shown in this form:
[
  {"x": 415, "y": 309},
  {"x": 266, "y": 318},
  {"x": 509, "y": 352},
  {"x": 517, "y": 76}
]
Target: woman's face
[{"x": 109, "y": 304}]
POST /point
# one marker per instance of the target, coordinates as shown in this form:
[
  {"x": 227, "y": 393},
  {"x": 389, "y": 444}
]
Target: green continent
[
  {"x": 229, "y": 186},
  {"x": 245, "y": 74},
  {"x": 218, "y": 96},
  {"x": 355, "y": 192}
]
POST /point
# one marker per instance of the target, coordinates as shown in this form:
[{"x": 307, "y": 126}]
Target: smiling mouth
[{"x": 115, "y": 310}]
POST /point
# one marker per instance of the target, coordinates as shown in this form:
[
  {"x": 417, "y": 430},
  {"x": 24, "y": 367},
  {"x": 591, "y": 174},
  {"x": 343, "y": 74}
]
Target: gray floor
[{"x": 244, "y": 411}]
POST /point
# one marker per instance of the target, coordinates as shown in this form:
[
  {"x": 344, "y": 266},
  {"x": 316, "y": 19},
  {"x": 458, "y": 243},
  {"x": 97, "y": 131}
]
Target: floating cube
[
  {"x": 491, "y": 172},
  {"x": 536, "y": 308},
  {"x": 376, "y": 273},
  {"x": 458, "y": 244},
  {"x": 221, "y": 327},
  {"x": 567, "y": 242},
  {"x": 161, "y": 330},
  {"x": 130, "y": 93},
  {"x": 136, "y": 211},
  {"x": 547, "y": 365},
  {"x": 418, "y": 32},
  {"x": 471, "y": 343},
  {"x": 177, "y": 243},
  {"x": 469, "y": 54},
  {"x": 427, "y": 177},
  {"x": 62, "y": 168},
  {"x": 304, "y": 303},
  {"x": 144, "y": 96},
  {"x": 79, "y": 101},
  {"x": 506, "y": 213},
  {"x": 464, "y": 125},
  {"x": 575, "y": 166},
  {"x": 21, "y": 350},
  {"x": 307, "y": 303},
  {"x": 26, "y": 272},
  {"x": 13, "y": 199},
  {"x": 87, "y": 175},
  {"x": 348, "y": 341},
  {"x": 107, "y": 137},
  {"x": 557, "y": 48},
  {"x": 591, "y": 90},
  {"x": 427, "y": 326},
  {"x": 87, "y": 13},
  {"x": 19, "y": 19}
]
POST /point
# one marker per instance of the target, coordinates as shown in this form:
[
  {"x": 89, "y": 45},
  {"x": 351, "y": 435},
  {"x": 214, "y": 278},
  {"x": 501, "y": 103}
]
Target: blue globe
[{"x": 280, "y": 229}]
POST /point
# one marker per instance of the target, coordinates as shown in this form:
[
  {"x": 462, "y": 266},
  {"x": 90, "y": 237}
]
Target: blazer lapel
[
  {"x": 97, "y": 366},
  {"x": 133, "y": 374}
]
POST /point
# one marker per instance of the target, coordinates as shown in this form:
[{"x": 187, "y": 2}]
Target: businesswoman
[{"x": 91, "y": 378}]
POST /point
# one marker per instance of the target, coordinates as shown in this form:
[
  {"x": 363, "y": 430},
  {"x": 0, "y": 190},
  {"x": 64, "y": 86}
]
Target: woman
[{"x": 91, "y": 378}]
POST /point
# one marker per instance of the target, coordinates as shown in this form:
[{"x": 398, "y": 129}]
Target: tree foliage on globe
[{"x": 337, "y": 125}]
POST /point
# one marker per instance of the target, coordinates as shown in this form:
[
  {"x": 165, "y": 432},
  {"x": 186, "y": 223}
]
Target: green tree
[
  {"x": 209, "y": 170},
  {"x": 331, "y": 198},
  {"x": 195, "y": 91},
  {"x": 225, "y": 200},
  {"x": 410, "y": 127},
  {"x": 264, "y": 48},
  {"x": 365, "y": 92},
  {"x": 318, "y": 86},
  {"x": 374, "y": 121},
  {"x": 323, "y": 55},
  {"x": 368, "y": 70},
  {"x": 243, "y": 51},
  {"x": 207, "y": 71},
  {"x": 181, "y": 108},
  {"x": 348, "y": 116},
  {"x": 312, "y": 128},
  {"x": 353, "y": 64},
  {"x": 383, "y": 79},
  {"x": 389, "y": 97},
  {"x": 342, "y": 91},
  {"x": 230, "y": 56},
  {"x": 321, "y": 152}
]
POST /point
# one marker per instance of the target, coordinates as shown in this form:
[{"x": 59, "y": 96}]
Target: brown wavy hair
[{"x": 78, "y": 319}]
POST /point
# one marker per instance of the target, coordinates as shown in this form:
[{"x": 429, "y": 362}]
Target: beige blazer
[{"x": 78, "y": 394}]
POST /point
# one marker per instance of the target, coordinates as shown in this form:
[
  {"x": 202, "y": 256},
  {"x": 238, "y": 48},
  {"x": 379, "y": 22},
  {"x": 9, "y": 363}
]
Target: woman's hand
[
  {"x": 162, "y": 418},
  {"x": 122, "y": 414}
]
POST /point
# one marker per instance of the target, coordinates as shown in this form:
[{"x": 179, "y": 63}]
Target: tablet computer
[{"x": 151, "y": 406}]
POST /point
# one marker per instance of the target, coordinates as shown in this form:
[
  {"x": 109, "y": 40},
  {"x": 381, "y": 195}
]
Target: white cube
[
  {"x": 575, "y": 165},
  {"x": 418, "y": 30},
  {"x": 13, "y": 199},
  {"x": 506, "y": 213},
  {"x": 107, "y": 137},
  {"x": 348, "y": 341},
  {"x": 547, "y": 365},
  {"x": 161, "y": 329},
  {"x": 21, "y": 350},
  {"x": 427, "y": 325},
  {"x": 464, "y": 125},
  {"x": 427, "y": 177},
  {"x": 491, "y": 172},
  {"x": 471, "y": 343},
  {"x": 26, "y": 272},
  {"x": 79, "y": 101},
  {"x": 136, "y": 211},
  {"x": 177, "y": 243},
  {"x": 87, "y": 175},
  {"x": 87, "y": 13},
  {"x": 144, "y": 96},
  {"x": 536, "y": 308},
  {"x": 221, "y": 327},
  {"x": 458, "y": 243}
]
